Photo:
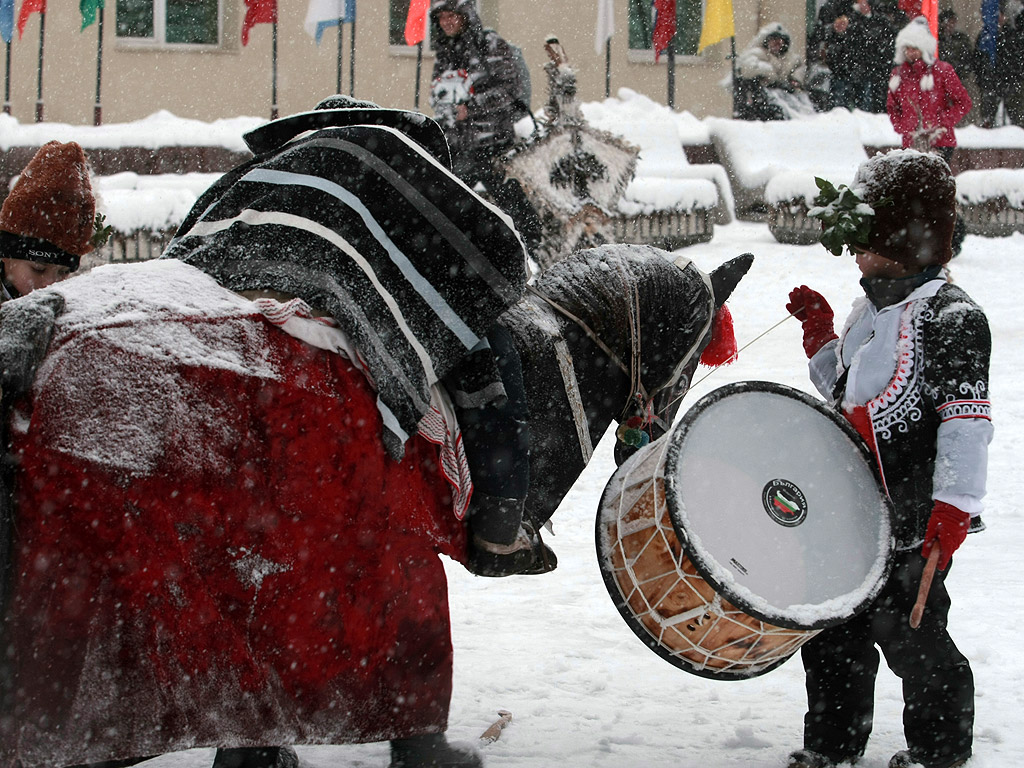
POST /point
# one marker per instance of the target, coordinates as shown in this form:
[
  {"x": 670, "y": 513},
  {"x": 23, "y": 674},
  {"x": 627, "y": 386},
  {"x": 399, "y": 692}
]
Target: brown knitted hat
[
  {"x": 51, "y": 208},
  {"x": 914, "y": 198}
]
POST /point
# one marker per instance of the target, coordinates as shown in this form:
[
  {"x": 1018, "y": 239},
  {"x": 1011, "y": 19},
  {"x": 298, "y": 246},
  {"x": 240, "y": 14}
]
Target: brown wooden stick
[
  {"x": 493, "y": 731},
  {"x": 926, "y": 585}
]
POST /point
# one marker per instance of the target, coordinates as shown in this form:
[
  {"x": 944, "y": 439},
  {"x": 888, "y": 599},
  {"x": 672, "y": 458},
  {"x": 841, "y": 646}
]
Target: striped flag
[
  {"x": 605, "y": 24},
  {"x": 328, "y": 13},
  {"x": 28, "y": 7},
  {"x": 416, "y": 22},
  {"x": 6, "y": 20},
  {"x": 257, "y": 12},
  {"x": 718, "y": 23},
  {"x": 664, "y": 25}
]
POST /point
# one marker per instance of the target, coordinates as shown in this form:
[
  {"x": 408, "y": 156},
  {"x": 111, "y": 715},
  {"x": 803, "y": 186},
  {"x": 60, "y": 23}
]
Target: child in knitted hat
[
  {"x": 47, "y": 221},
  {"x": 909, "y": 371}
]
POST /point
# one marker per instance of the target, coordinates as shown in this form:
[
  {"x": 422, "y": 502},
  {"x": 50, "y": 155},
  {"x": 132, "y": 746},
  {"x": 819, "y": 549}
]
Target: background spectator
[
  {"x": 768, "y": 62},
  {"x": 858, "y": 47},
  {"x": 475, "y": 93},
  {"x": 1000, "y": 73},
  {"x": 955, "y": 47}
]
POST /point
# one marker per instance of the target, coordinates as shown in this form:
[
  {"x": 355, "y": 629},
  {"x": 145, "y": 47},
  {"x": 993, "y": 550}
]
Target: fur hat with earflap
[
  {"x": 50, "y": 214},
  {"x": 913, "y": 195},
  {"x": 918, "y": 35}
]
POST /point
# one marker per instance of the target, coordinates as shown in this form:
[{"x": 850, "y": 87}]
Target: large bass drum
[{"x": 757, "y": 521}]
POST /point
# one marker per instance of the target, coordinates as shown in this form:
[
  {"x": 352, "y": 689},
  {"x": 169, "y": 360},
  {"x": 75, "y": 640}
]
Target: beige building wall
[{"x": 236, "y": 80}]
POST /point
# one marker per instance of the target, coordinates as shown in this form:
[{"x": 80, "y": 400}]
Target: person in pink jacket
[{"x": 926, "y": 98}]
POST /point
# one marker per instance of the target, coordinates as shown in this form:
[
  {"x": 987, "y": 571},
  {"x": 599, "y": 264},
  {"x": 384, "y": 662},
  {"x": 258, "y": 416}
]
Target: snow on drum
[{"x": 752, "y": 525}]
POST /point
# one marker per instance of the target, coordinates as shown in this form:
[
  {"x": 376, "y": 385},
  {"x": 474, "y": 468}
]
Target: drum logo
[{"x": 784, "y": 503}]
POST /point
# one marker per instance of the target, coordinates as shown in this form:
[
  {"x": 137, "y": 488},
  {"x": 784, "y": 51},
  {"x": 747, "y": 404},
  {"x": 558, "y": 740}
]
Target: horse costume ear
[{"x": 725, "y": 278}]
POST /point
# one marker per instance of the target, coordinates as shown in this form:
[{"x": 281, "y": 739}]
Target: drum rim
[
  {"x": 675, "y": 437},
  {"x": 644, "y": 634}
]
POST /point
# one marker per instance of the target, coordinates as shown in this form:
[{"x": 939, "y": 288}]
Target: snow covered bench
[
  {"x": 144, "y": 211},
  {"x": 772, "y": 166},
  {"x": 992, "y": 201},
  {"x": 669, "y": 202}
]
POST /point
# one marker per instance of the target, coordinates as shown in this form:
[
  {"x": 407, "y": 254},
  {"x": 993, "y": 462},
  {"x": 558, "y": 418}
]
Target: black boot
[
  {"x": 500, "y": 543},
  {"x": 256, "y": 757},
  {"x": 432, "y": 750}
]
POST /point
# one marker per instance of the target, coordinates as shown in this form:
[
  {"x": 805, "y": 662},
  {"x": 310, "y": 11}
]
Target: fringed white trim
[
  {"x": 928, "y": 82},
  {"x": 894, "y": 83}
]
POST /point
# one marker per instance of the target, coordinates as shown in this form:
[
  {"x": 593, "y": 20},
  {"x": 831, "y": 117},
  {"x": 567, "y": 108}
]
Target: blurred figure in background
[{"x": 767, "y": 68}]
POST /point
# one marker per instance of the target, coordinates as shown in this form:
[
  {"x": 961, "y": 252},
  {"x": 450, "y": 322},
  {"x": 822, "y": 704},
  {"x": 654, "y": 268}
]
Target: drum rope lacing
[{"x": 758, "y": 645}]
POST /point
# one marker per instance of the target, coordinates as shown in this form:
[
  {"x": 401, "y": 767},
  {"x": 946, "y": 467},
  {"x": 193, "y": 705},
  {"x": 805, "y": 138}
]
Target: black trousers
[
  {"x": 938, "y": 686},
  {"x": 497, "y": 441}
]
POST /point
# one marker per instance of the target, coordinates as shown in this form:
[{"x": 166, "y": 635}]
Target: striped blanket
[{"x": 364, "y": 224}]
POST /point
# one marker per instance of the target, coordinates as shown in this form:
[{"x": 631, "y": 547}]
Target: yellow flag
[{"x": 717, "y": 23}]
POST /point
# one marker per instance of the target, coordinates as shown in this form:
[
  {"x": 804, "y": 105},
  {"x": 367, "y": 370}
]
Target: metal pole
[
  {"x": 352, "y": 58},
  {"x": 732, "y": 61},
  {"x": 97, "y": 110},
  {"x": 273, "y": 74},
  {"x": 341, "y": 30},
  {"x": 419, "y": 65},
  {"x": 39, "y": 86},
  {"x": 607, "y": 67},
  {"x": 671, "y": 75},
  {"x": 7, "y": 83}
]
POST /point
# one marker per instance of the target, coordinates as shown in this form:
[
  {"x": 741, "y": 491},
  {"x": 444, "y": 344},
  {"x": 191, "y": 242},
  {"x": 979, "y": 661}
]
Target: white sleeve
[
  {"x": 961, "y": 463},
  {"x": 824, "y": 369}
]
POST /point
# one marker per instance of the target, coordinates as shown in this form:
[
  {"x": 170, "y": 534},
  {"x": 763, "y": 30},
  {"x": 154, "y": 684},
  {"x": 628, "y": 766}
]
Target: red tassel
[{"x": 721, "y": 350}]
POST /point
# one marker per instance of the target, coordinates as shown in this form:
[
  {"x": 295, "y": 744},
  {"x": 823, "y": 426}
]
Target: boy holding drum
[{"x": 910, "y": 372}]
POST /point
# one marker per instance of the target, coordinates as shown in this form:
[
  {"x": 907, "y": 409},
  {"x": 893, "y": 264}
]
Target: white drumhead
[{"x": 778, "y": 505}]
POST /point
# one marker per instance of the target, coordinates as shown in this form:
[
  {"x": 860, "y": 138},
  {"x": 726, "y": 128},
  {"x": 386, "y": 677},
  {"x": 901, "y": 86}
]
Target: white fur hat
[{"x": 916, "y": 35}]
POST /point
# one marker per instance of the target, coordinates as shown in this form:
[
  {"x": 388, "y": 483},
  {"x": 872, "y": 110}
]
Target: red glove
[
  {"x": 814, "y": 313},
  {"x": 947, "y": 526}
]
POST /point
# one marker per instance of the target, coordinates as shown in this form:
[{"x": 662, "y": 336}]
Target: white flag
[
  {"x": 328, "y": 13},
  {"x": 605, "y": 24}
]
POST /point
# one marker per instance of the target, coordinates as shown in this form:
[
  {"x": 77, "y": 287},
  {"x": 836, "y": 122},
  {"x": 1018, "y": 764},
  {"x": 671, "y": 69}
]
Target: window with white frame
[
  {"x": 688, "y": 23},
  {"x": 170, "y": 22}
]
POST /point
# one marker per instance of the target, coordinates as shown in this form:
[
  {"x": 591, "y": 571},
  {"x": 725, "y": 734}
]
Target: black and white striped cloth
[{"x": 364, "y": 224}]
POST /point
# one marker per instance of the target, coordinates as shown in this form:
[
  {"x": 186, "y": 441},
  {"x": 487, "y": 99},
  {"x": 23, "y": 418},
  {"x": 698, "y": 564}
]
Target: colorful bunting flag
[
  {"x": 664, "y": 25},
  {"x": 6, "y": 20},
  {"x": 989, "y": 28},
  {"x": 28, "y": 7},
  {"x": 718, "y": 23},
  {"x": 256, "y": 12},
  {"x": 89, "y": 9},
  {"x": 328, "y": 13},
  {"x": 416, "y": 22}
]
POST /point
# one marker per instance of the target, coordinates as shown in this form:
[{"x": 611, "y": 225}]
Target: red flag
[
  {"x": 930, "y": 10},
  {"x": 256, "y": 12},
  {"x": 664, "y": 25},
  {"x": 416, "y": 22},
  {"x": 28, "y": 7}
]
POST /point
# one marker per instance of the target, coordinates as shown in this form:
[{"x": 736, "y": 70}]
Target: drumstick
[
  {"x": 926, "y": 585},
  {"x": 493, "y": 731}
]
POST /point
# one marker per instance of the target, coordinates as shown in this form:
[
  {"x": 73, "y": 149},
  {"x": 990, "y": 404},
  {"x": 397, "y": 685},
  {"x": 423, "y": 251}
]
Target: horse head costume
[{"x": 233, "y": 482}]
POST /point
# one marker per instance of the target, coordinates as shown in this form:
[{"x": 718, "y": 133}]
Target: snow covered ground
[{"x": 584, "y": 692}]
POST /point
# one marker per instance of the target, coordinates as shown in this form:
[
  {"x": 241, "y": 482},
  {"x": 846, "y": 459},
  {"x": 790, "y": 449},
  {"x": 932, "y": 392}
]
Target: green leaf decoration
[
  {"x": 845, "y": 218},
  {"x": 101, "y": 233}
]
